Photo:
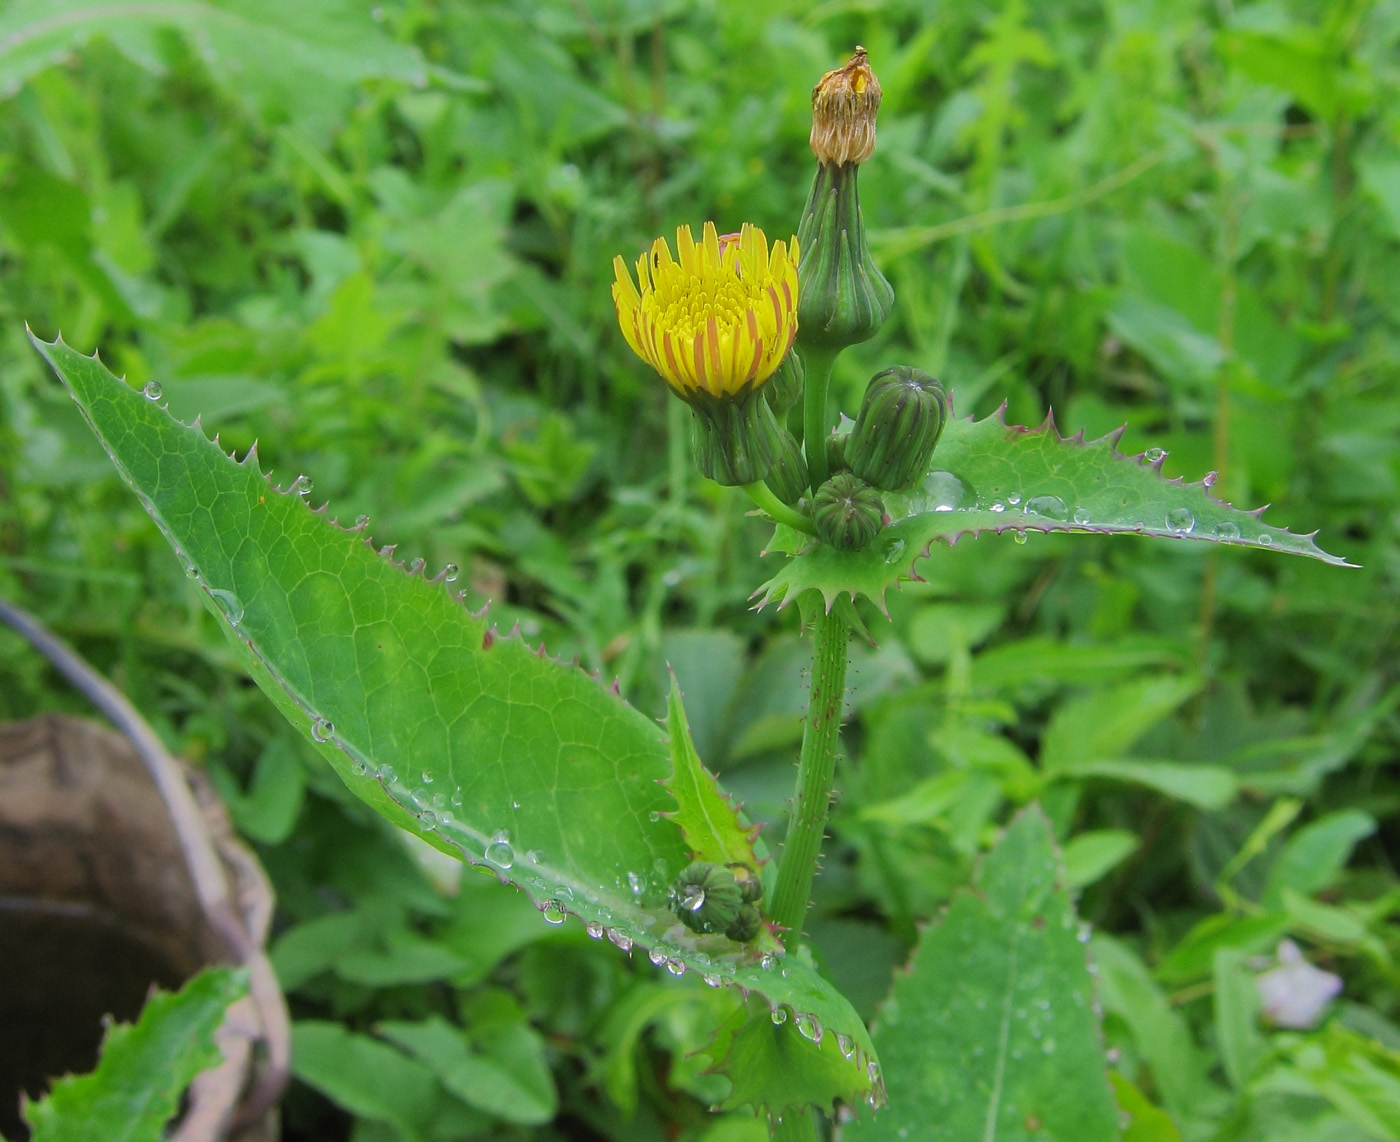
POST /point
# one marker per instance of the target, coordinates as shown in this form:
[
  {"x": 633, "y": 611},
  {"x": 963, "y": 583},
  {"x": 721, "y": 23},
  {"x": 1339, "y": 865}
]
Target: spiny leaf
[
  {"x": 991, "y": 476},
  {"x": 776, "y": 1063},
  {"x": 991, "y": 1033},
  {"x": 708, "y": 819},
  {"x": 488, "y": 748},
  {"x": 144, "y": 1069}
]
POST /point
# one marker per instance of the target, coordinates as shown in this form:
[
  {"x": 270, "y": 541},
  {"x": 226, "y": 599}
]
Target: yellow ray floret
[{"x": 716, "y": 319}]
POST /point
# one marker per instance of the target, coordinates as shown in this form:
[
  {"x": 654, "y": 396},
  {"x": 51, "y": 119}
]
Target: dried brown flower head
[{"x": 844, "y": 104}]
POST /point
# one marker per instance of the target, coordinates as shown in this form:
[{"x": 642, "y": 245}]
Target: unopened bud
[
  {"x": 706, "y": 897},
  {"x": 848, "y": 512},
  {"x": 788, "y": 478},
  {"x": 900, "y": 421},
  {"x": 746, "y": 924}
]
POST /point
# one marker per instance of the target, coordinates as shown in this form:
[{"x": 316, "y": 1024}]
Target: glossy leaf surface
[
  {"x": 991, "y": 1033},
  {"x": 486, "y": 747}
]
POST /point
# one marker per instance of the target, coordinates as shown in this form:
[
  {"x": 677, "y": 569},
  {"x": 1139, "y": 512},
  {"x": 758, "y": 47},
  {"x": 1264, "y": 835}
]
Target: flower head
[
  {"x": 844, "y": 104},
  {"x": 717, "y": 319}
]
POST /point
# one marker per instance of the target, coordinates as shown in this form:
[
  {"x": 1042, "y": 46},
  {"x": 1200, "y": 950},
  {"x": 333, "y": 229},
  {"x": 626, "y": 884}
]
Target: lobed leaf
[
  {"x": 486, "y": 747},
  {"x": 145, "y": 1067},
  {"x": 991, "y": 476}
]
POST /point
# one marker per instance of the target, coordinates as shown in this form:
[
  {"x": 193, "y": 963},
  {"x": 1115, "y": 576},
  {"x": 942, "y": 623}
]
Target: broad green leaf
[
  {"x": 991, "y": 476},
  {"x": 509, "y": 1079},
  {"x": 145, "y": 1067},
  {"x": 1090, "y": 856},
  {"x": 484, "y": 746},
  {"x": 1103, "y": 724},
  {"x": 992, "y": 1033},
  {"x": 1204, "y": 786},
  {"x": 1237, "y": 1009},
  {"x": 1313, "y": 856},
  {"x": 708, "y": 819}
]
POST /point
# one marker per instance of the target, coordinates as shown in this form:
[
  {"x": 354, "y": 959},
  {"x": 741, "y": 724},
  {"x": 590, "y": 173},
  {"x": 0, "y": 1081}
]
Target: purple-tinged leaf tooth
[
  {"x": 488, "y": 638},
  {"x": 387, "y": 551},
  {"x": 481, "y": 614},
  {"x": 515, "y": 631},
  {"x": 616, "y": 686},
  {"x": 540, "y": 652}
]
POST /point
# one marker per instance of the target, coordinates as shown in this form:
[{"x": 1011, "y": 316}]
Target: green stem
[
  {"x": 818, "y": 361},
  {"x": 762, "y": 495},
  {"x": 807, "y": 820}
]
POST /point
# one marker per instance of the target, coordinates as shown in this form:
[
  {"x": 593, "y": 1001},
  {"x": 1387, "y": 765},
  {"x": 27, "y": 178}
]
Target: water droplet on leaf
[
  {"x": 779, "y": 1015},
  {"x": 1154, "y": 455},
  {"x": 152, "y": 391},
  {"x": 229, "y": 604},
  {"x": 808, "y": 1026},
  {"x": 1051, "y": 507},
  {"x": 1226, "y": 530},
  {"x": 321, "y": 730},
  {"x": 1180, "y": 521},
  {"x": 594, "y": 930},
  {"x": 427, "y": 819},
  {"x": 657, "y": 957},
  {"x": 1019, "y": 536},
  {"x": 450, "y": 573},
  {"x": 553, "y": 912},
  {"x": 846, "y": 1045},
  {"x": 499, "y": 852}
]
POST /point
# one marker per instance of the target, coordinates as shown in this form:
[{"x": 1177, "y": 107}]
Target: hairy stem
[
  {"x": 762, "y": 496},
  {"x": 818, "y": 361},
  {"x": 807, "y": 820}
]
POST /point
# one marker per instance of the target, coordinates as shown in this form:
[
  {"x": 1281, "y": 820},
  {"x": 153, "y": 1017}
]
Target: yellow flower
[{"x": 719, "y": 319}]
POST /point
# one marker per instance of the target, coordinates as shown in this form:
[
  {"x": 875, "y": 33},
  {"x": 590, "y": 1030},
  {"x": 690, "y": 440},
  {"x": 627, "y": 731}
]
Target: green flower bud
[
  {"x": 848, "y": 512},
  {"x": 788, "y": 479},
  {"x": 750, "y": 886},
  {"x": 784, "y": 388},
  {"x": 900, "y": 421},
  {"x": 836, "y": 446},
  {"x": 746, "y": 925},
  {"x": 736, "y": 438},
  {"x": 707, "y": 898}
]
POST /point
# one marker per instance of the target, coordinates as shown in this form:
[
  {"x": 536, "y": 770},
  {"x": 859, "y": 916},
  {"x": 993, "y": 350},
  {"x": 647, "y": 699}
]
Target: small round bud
[
  {"x": 706, "y": 897},
  {"x": 844, "y": 103},
  {"x": 750, "y": 886},
  {"x": 788, "y": 479},
  {"x": 900, "y": 421},
  {"x": 746, "y": 925},
  {"x": 848, "y": 512}
]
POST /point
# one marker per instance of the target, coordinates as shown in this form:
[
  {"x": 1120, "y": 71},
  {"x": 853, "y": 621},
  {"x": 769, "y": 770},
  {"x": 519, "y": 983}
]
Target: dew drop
[
  {"x": 191, "y": 572},
  {"x": 1154, "y": 455},
  {"x": 450, "y": 573},
  {"x": 621, "y": 939},
  {"x": 321, "y": 730},
  {"x": 654, "y": 816},
  {"x": 942, "y": 492},
  {"x": 1180, "y": 521},
  {"x": 427, "y": 778},
  {"x": 1019, "y": 537},
  {"x": 847, "y": 1046},
  {"x": 1051, "y": 507},
  {"x": 872, "y": 1071},
  {"x": 361, "y": 521},
  {"x": 635, "y": 883},
  {"x": 553, "y": 912},
  {"x": 998, "y": 507},
  {"x": 387, "y": 774},
  {"x": 675, "y": 967},
  {"x": 302, "y": 485},
  {"x": 1013, "y": 499},
  {"x": 710, "y": 980},
  {"x": 229, "y": 604},
  {"x": 779, "y": 1015},
  {"x": 427, "y": 819},
  {"x": 1081, "y": 517},
  {"x": 152, "y": 391},
  {"x": 1226, "y": 530},
  {"x": 808, "y": 1026},
  {"x": 594, "y": 930},
  {"x": 1265, "y": 539},
  {"x": 692, "y": 898},
  {"x": 456, "y": 798},
  {"x": 657, "y": 957},
  {"x": 416, "y": 566},
  {"x": 499, "y": 852},
  {"x": 767, "y": 961}
]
